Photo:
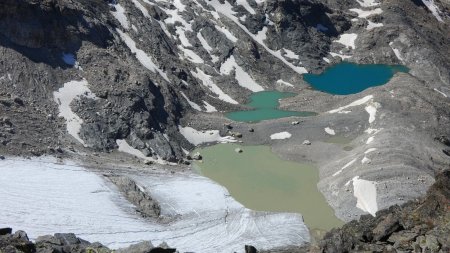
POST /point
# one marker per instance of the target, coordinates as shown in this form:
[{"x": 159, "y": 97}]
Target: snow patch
[
  {"x": 396, "y": 52},
  {"x": 434, "y": 9},
  {"x": 179, "y": 5},
  {"x": 440, "y": 92},
  {"x": 134, "y": 28},
  {"x": 120, "y": 15},
  {"x": 191, "y": 55},
  {"x": 199, "y": 137},
  {"x": 64, "y": 97},
  {"x": 126, "y": 148},
  {"x": 290, "y": 54},
  {"x": 342, "y": 56},
  {"x": 347, "y": 39},
  {"x": 284, "y": 83},
  {"x": 261, "y": 36},
  {"x": 330, "y": 131},
  {"x": 345, "y": 167},
  {"x": 355, "y": 103},
  {"x": 209, "y": 107},
  {"x": 372, "y": 111},
  {"x": 204, "y": 43},
  {"x": 207, "y": 47},
  {"x": 181, "y": 32},
  {"x": 226, "y": 10},
  {"x": 366, "y": 195},
  {"x": 245, "y": 4},
  {"x": 141, "y": 8},
  {"x": 366, "y": 13},
  {"x": 227, "y": 33},
  {"x": 373, "y": 25},
  {"x": 368, "y": 3},
  {"x": 370, "y": 150},
  {"x": 372, "y": 130},
  {"x": 243, "y": 78},
  {"x": 281, "y": 136},
  {"x": 207, "y": 81},
  {"x": 192, "y": 104},
  {"x": 365, "y": 160},
  {"x": 141, "y": 56}
]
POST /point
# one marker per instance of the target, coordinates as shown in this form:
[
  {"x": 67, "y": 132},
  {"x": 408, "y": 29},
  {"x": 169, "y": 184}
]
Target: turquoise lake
[
  {"x": 350, "y": 78},
  {"x": 265, "y": 106}
]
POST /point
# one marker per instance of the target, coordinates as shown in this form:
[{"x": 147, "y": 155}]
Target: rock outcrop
[
  {"x": 145, "y": 204},
  {"x": 417, "y": 226}
]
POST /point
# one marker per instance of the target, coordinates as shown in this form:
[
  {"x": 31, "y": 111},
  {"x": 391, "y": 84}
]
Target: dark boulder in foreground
[{"x": 66, "y": 243}]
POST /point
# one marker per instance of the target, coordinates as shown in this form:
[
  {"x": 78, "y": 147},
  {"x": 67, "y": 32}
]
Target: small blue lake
[
  {"x": 350, "y": 78},
  {"x": 265, "y": 106}
]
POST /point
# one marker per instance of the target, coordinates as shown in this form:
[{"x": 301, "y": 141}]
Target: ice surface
[{"x": 43, "y": 196}]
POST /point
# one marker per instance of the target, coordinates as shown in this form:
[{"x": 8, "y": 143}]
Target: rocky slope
[
  {"x": 141, "y": 85},
  {"x": 417, "y": 226},
  {"x": 202, "y": 56}
]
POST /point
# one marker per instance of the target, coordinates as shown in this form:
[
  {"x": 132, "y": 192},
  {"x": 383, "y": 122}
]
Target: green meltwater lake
[
  {"x": 350, "y": 78},
  {"x": 265, "y": 106},
  {"x": 261, "y": 181}
]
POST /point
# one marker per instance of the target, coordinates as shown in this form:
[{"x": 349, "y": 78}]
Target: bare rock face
[{"x": 54, "y": 23}]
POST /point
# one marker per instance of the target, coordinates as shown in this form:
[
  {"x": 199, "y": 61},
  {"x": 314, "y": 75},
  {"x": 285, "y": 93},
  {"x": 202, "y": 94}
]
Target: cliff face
[{"x": 417, "y": 226}]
